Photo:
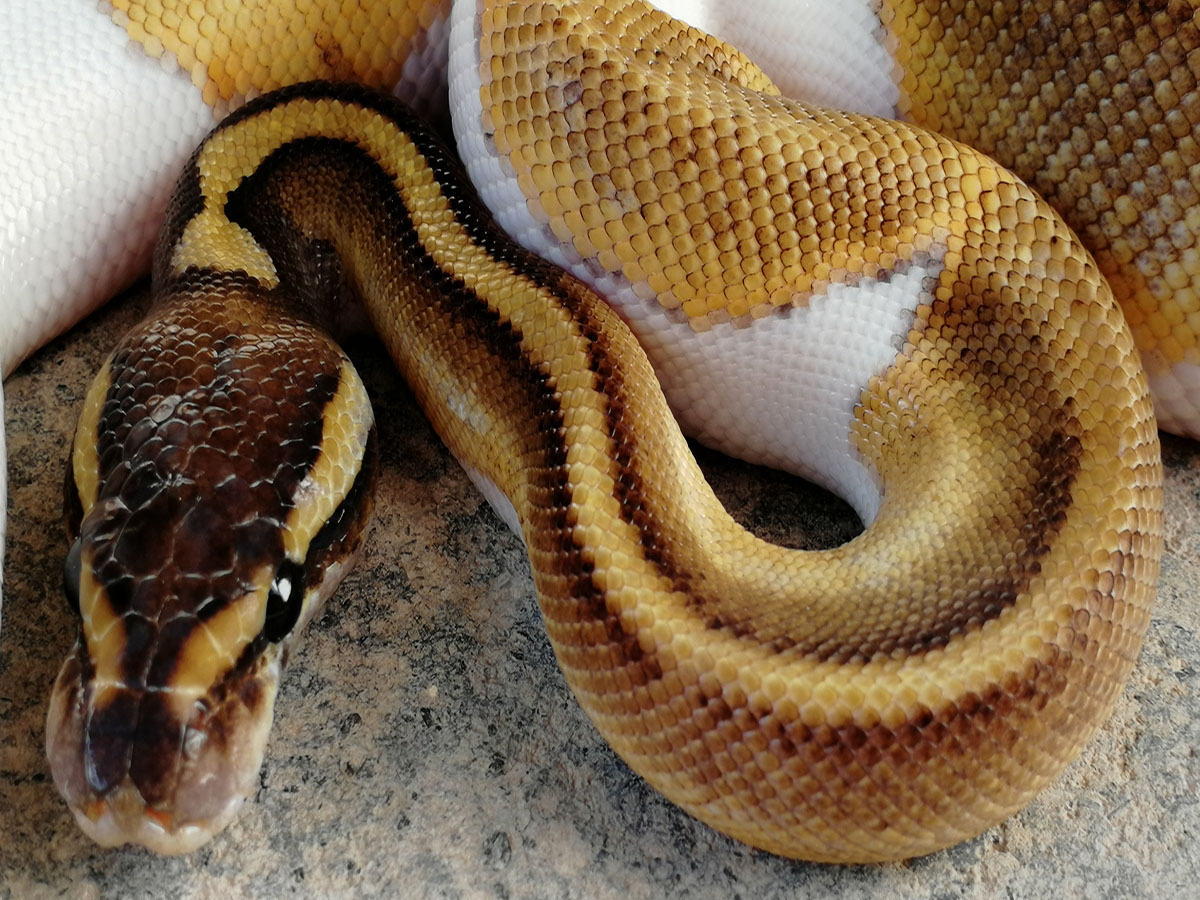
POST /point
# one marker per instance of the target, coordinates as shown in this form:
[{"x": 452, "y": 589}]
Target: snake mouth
[
  {"x": 214, "y": 759},
  {"x": 122, "y": 817}
]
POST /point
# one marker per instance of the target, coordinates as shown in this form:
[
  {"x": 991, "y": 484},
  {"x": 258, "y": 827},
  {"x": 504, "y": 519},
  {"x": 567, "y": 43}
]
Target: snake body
[{"x": 973, "y": 389}]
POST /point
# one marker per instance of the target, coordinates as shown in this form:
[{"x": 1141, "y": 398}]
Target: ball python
[{"x": 868, "y": 303}]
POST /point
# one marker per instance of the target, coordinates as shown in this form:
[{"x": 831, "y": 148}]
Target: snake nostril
[
  {"x": 73, "y": 573},
  {"x": 284, "y": 601}
]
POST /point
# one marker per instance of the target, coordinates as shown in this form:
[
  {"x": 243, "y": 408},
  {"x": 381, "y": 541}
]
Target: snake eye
[
  {"x": 73, "y": 574},
  {"x": 284, "y": 601}
]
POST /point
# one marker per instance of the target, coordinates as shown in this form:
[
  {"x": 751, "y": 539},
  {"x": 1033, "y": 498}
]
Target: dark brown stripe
[
  {"x": 1056, "y": 460},
  {"x": 636, "y": 509},
  {"x": 257, "y": 206},
  {"x": 108, "y": 740},
  {"x": 187, "y": 202}
]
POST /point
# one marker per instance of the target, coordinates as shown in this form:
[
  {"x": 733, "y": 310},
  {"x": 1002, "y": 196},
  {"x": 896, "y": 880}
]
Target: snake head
[{"x": 221, "y": 483}]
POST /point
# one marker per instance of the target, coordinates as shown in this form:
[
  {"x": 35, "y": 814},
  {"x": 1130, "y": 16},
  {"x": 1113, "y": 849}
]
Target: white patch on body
[
  {"x": 782, "y": 391},
  {"x": 779, "y": 392},
  {"x": 468, "y": 409},
  {"x": 96, "y": 134},
  {"x": 817, "y": 51}
]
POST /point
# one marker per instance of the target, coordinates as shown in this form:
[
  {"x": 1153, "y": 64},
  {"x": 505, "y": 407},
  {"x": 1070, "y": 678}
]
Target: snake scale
[{"x": 865, "y": 302}]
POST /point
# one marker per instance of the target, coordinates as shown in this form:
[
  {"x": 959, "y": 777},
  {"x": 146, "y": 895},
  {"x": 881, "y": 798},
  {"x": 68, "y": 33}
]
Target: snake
[{"x": 657, "y": 241}]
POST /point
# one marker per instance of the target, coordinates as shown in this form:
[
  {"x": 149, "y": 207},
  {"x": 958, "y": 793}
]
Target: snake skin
[{"x": 869, "y": 304}]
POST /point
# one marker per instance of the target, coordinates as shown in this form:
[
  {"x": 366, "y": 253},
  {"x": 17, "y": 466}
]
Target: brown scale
[
  {"x": 724, "y": 204},
  {"x": 874, "y": 701},
  {"x": 1095, "y": 104}
]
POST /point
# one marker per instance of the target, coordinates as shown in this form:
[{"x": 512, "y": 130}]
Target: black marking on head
[
  {"x": 285, "y": 600},
  {"x": 73, "y": 574},
  {"x": 109, "y": 736},
  {"x": 154, "y": 764}
]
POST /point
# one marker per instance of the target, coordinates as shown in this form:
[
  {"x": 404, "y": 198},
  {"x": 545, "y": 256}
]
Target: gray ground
[{"x": 427, "y": 746}]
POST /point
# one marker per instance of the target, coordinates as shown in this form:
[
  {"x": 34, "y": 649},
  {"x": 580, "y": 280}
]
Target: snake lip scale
[{"x": 658, "y": 235}]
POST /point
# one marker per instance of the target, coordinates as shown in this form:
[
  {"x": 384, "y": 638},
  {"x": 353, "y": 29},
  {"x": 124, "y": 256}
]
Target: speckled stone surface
[{"x": 426, "y": 745}]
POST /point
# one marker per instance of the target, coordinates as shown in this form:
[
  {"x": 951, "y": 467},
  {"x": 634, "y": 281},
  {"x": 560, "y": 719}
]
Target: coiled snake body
[{"x": 968, "y": 383}]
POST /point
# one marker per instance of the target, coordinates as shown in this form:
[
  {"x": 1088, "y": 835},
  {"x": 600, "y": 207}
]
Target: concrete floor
[{"x": 426, "y": 745}]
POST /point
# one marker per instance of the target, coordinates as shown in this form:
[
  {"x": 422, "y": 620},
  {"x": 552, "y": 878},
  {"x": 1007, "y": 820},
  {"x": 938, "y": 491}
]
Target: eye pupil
[
  {"x": 284, "y": 601},
  {"x": 73, "y": 575}
]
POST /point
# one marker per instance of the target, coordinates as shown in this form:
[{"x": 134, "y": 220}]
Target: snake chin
[
  {"x": 172, "y": 808},
  {"x": 123, "y": 818}
]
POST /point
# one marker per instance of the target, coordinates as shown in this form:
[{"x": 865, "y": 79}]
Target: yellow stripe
[
  {"x": 216, "y": 644},
  {"x": 85, "y": 461},
  {"x": 210, "y": 236},
  {"x": 347, "y": 424},
  {"x": 103, "y": 629}
]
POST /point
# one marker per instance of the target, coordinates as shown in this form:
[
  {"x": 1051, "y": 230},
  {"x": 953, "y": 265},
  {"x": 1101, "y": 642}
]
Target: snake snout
[{"x": 160, "y": 767}]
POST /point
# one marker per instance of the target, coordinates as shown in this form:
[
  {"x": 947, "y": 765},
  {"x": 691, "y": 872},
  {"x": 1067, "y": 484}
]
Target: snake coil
[{"x": 976, "y": 393}]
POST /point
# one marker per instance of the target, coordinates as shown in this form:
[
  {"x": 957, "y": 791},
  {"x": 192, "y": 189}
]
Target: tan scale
[
  {"x": 873, "y": 701},
  {"x": 103, "y": 632},
  {"x": 1095, "y": 104},
  {"x": 237, "y": 49},
  {"x": 715, "y": 223}
]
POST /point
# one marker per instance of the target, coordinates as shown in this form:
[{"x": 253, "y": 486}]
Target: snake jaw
[
  {"x": 215, "y": 763},
  {"x": 123, "y": 818}
]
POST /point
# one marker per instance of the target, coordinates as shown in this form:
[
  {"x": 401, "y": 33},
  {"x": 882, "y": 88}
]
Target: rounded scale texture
[
  {"x": 236, "y": 51},
  {"x": 873, "y": 701},
  {"x": 1007, "y": 407},
  {"x": 1093, "y": 104},
  {"x": 1096, "y": 105}
]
